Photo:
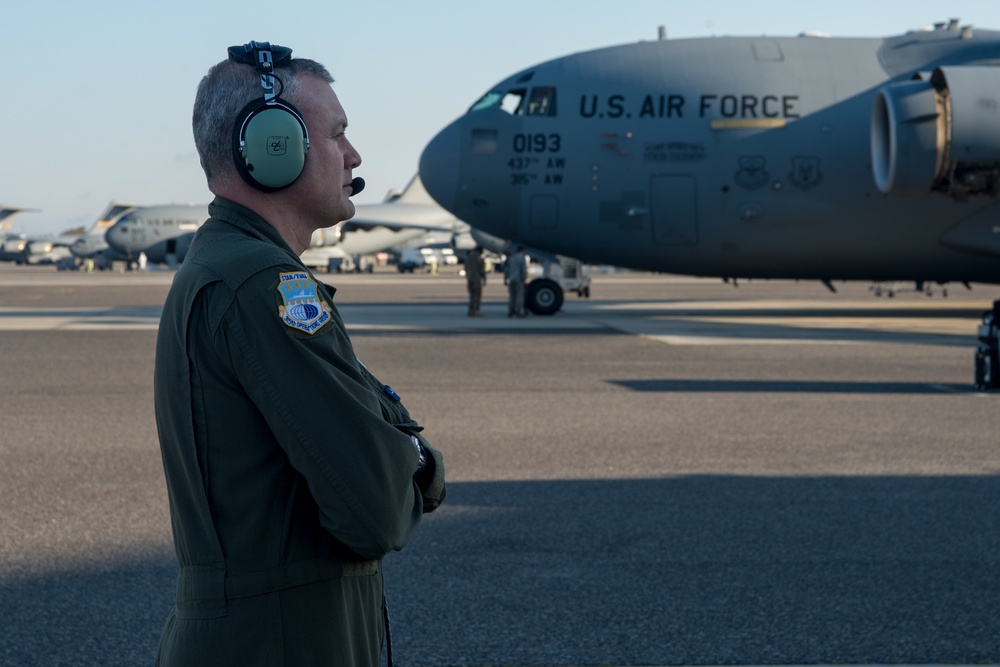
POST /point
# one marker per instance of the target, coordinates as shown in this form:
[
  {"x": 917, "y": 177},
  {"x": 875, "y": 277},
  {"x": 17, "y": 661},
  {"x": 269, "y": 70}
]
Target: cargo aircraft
[
  {"x": 89, "y": 244},
  {"x": 93, "y": 245},
  {"x": 742, "y": 157},
  {"x": 164, "y": 233},
  {"x": 13, "y": 246}
]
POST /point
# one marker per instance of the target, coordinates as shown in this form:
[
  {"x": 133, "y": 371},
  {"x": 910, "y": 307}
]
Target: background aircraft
[
  {"x": 402, "y": 217},
  {"x": 93, "y": 245},
  {"x": 753, "y": 157},
  {"x": 13, "y": 246},
  {"x": 22, "y": 249},
  {"x": 164, "y": 233}
]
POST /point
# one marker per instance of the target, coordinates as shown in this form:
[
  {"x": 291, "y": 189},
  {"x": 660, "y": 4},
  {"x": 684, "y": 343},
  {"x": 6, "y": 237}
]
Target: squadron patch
[{"x": 301, "y": 307}]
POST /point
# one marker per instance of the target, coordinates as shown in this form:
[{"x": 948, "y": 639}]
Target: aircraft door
[{"x": 673, "y": 210}]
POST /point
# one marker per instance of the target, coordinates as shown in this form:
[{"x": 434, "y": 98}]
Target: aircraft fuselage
[
  {"x": 735, "y": 157},
  {"x": 163, "y": 233}
]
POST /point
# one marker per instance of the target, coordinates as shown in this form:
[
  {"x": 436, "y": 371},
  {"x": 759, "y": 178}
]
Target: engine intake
[{"x": 939, "y": 134}]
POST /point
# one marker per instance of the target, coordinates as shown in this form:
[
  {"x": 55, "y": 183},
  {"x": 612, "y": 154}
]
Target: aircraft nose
[
  {"x": 439, "y": 167},
  {"x": 112, "y": 237}
]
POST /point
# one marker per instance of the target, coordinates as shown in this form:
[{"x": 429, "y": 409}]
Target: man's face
[{"x": 322, "y": 193}]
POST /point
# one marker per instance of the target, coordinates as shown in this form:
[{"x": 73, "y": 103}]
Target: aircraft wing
[
  {"x": 410, "y": 209},
  {"x": 397, "y": 216}
]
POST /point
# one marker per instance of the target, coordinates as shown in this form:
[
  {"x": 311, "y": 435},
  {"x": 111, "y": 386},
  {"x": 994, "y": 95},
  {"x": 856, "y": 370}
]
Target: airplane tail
[
  {"x": 109, "y": 217},
  {"x": 7, "y": 212},
  {"x": 414, "y": 193}
]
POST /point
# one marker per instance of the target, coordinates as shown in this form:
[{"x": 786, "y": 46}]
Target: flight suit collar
[{"x": 240, "y": 216}]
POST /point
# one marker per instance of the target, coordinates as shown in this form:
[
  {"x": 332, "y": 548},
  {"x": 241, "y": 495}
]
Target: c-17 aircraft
[
  {"x": 57, "y": 249},
  {"x": 13, "y": 247},
  {"x": 93, "y": 244},
  {"x": 164, "y": 233},
  {"x": 742, "y": 157},
  {"x": 404, "y": 215}
]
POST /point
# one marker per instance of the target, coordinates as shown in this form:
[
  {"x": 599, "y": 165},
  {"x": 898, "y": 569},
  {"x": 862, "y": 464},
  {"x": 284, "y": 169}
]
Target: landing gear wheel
[{"x": 543, "y": 296}]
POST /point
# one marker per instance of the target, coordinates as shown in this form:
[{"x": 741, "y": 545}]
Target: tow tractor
[{"x": 544, "y": 295}]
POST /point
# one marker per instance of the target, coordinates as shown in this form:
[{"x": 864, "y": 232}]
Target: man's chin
[{"x": 348, "y": 211}]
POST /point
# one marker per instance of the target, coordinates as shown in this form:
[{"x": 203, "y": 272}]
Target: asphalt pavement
[{"x": 673, "y": 472}]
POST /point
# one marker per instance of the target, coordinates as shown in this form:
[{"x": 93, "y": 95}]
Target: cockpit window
[
  {"x": 542, "y": 101},
  {"x": 488, "y": 100},
  {"x": 513, "y": 102},
  {"x": 518, "y": 102}
]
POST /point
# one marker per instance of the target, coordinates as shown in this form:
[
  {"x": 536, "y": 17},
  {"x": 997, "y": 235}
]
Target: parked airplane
[
  {"x": 743, "y": 157},
  {"x": 93, "y": 245},
  {"x": 164, "y": 233},
  {"x": 22, "y": 249},
  {"x": 13, "y": 248},
  {"x": 403, "y": 216}
]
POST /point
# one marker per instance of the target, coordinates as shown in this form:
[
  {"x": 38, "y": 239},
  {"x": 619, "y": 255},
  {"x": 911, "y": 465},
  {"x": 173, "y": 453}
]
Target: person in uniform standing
[
  {"x": 291, "y": 470},
  {"x": 475, "y": 279},
  {"x": 515, "y": 275}
]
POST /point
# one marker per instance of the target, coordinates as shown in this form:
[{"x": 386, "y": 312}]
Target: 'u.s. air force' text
[{"x": 679, "y": 106}]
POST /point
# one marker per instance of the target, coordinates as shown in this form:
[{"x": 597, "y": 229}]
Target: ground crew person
[
  {"x": 515, "y": 274},
  {"x": 475, "y": 279},
  {"x": 291, "y": 471}
]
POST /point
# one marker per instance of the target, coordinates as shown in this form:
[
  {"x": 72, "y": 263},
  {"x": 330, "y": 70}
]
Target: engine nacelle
[
  {"x": 939, "y": 135},
  {"x": 14, "y": 246},
  {"x": 326, "y": 237},
  {"x": 463, "y": 241},
  {"x": 39, "y": 247}
]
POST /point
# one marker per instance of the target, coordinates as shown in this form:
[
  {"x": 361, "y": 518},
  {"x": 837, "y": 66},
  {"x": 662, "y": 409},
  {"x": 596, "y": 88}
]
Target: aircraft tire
[{"x": 543, "y": 296}]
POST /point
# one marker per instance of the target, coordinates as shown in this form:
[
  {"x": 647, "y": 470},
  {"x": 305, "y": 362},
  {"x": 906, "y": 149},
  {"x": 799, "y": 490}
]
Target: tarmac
[{"x": 672, "y": 472}]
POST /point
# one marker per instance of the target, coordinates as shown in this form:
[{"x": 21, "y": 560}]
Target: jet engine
[
  {"x": 39, "y": 247},
  {"x": 327, "y": 237},
  {"x": 939, "y": 134},
  {"x": 14, "y": 245}
]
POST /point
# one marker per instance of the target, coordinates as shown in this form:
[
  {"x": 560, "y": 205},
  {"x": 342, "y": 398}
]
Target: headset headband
[
  {"x": 270, "y": 139},
  {"x": 263, "y": 57}
]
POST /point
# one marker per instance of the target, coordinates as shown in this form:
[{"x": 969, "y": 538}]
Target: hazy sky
[{"x": 99, "y": 93}]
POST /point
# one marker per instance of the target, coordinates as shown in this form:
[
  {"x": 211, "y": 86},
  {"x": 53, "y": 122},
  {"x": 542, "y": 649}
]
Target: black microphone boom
[{"x": 357, "y": 185}]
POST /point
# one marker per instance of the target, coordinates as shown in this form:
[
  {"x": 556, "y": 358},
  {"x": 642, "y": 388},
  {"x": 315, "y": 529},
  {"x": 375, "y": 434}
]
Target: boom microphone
[{"x": 357, "y": 185}]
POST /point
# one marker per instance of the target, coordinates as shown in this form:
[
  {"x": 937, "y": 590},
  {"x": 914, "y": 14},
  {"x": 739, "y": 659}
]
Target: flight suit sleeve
[
  {"x": 325, "y": 416},
  {"x": 430, "y": 480}
]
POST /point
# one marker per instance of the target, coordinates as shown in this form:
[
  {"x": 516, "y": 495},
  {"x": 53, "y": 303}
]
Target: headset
[{"x": 270, "y": 139}]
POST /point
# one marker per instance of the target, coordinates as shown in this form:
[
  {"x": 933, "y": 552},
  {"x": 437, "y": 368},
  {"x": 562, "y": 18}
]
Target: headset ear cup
[{"x": 270, "y": 146}]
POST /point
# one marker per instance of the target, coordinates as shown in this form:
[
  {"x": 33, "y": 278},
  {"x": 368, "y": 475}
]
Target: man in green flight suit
[
  {"x": 475, "y": 278},
  {"x": 291, "y": 471}
]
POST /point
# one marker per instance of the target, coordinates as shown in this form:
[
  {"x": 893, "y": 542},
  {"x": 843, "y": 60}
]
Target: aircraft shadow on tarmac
[
  {"x": 794, "y": 324},
  {"x": 703, "y": 569},
  {"x": 831, "y": 311}
]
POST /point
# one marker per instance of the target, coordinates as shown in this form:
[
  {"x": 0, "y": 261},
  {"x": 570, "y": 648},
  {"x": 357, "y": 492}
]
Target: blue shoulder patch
[{"x": 301, "y": 307}]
